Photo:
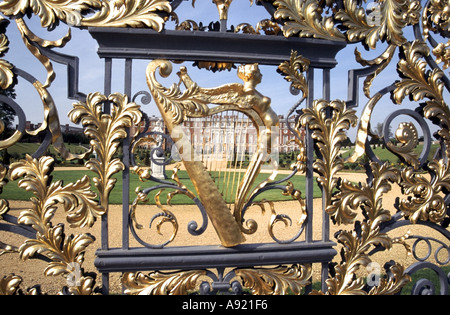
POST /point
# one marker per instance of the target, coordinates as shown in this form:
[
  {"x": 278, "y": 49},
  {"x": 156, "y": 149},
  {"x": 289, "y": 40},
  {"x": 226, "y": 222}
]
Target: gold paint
[
  {"x": 82, "y": 210},
  {"x": 281, "y": 280},
  {"x": 110, "y": 13},
  {"x": 222, "y": 7},
  {"x": 292, "y": 71},
  {"x": 406, "y": 134},
  {"x": 269, "y": 27},
  {"x": 10, "y": 284},
  {"x": 368, "y": 198},
  {"x": 246, "y": 28},
  {"x": 427, "y": 202},
  {"x": 328, "y": 133},
  {"x": 304, "y": 18},
  {"x": 442, "y": 53},
  {"x": 134, "y": 13},
  {"x": 420, "y": 84},
  {"x": 6, "y": 74},
  {"x": 4, "y": 207},
  {"x": 435, "y": 18},
  {"x": 394, "y": 16},
  {"x": 382, "y": 61},
  {"x": 33, "y": 43},
  {"x": 106, "y": 131},
  {"x": 161, "y": 283},
  {"x": 214, "y": 66}
]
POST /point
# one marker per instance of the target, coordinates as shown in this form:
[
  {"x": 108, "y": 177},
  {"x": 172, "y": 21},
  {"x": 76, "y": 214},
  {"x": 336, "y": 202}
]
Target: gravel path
[{"x": 32, "y": 270}]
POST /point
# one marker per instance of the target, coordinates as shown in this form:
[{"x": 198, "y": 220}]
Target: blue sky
[{"x": 92, "y": 67}]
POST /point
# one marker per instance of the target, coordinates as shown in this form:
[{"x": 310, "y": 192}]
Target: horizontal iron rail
[
  {"x": 187, "y": 257},
  {"x": 212, "y": 46}
]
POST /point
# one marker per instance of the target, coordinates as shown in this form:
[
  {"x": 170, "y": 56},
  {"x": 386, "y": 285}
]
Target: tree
[{"x": 7, "y": 114}]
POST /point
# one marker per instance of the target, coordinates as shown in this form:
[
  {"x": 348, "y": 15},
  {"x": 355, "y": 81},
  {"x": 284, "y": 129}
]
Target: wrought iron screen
[{"x": 222, "y": 151}]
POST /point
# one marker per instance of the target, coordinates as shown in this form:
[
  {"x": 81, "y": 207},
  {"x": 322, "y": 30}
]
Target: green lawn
[
  {"x": 12, "y": 192},
  {"x": 385, "y": 155}
]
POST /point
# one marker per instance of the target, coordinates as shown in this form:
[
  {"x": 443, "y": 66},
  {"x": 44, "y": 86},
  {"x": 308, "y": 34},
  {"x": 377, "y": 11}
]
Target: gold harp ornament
[{"x": 176, "y": 106}]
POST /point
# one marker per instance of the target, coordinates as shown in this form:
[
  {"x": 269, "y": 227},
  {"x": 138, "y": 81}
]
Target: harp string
[{"x": 222, "y": 141}]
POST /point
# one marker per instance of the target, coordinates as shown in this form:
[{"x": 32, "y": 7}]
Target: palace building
[{"x": 229, "y": 133}]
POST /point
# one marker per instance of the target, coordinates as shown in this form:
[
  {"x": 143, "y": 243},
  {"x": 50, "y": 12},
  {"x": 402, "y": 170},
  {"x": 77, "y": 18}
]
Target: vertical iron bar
[
  {"x": 309, "y": 191},
  {"x": 325, "y": 216},
  {"x": 223, "y": 25},
  {"x": 126, "y": 162},
  {"x": 106, "y": 109},
  {"x": 309, "y": 162},
  {"x": 104, "y": 232}
]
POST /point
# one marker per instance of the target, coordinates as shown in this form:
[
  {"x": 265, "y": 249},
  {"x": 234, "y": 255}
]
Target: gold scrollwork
[
  {"x": 261, "y": 281},
  {"x": 435, "y": 17},
  {"x": 112, "y": 13},
  {"x": 6, "y": 74},
  {"x": 82, "y": 210},
  {"x": 328, "y": 133},
  {"x": 394, "y": 16},
  {"x": 304, "y": 18},
  {"x": 106, "y": 131},
  {"x": 427, "y": 202},
  {"x": 3, "y": 203},
  {"x": 78, "y": 200},
  {"x": 160, "y": 283},
  {"x": 406, "y": 134},
  {"x": 442, "y": 53},
  {"x": 10, "y": 285},
  {"x": 357, "y": 243},
  {"x": 292, "y": 71},
  {"x": 269, "y": 27},
  {"x": 420, "y": 84},
  {"x": 281, "y": 280}
]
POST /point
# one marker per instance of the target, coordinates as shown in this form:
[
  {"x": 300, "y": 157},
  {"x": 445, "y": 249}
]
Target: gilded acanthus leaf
[
  {"x": 178, "y": 103},
  {"x": 416, "y": 82},
  {"x": 394, "y": 16},
  {"x": 109, "y": 13},
  {"x": 62, "y": 250},
  {"x": 292, "y": 71},
  {"x": 420, "y": 84},
  {"x": 281, "y": 280},
  {"x": 436, "y": 18},
  {"x": 78, "y": 200},
  {"x": 106, "y": 131},
  {"x": 328, "y": 133},
  {"x": 442, "y": 53},
  {"x": 50, "y": 12},
  {"x": 427, "y": 202},
  {"x": 6, "y": 74},
  {"x": 134, "y": 13},
  {"x": 304, "y": 18},
  {"x": 393, "y": 284},
  {"x": 357, "y": 243},
  {"x": 10, "y": 284},
  {"x": 351, "y": 197},
  {"x": 159, "y": 283}
]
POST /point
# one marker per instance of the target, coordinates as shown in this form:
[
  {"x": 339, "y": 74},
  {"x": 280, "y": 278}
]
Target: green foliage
[{"x": 12, "y": 192}]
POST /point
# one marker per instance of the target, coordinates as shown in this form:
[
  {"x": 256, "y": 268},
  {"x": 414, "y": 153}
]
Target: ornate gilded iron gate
[{"x": 300, "y": 40}]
